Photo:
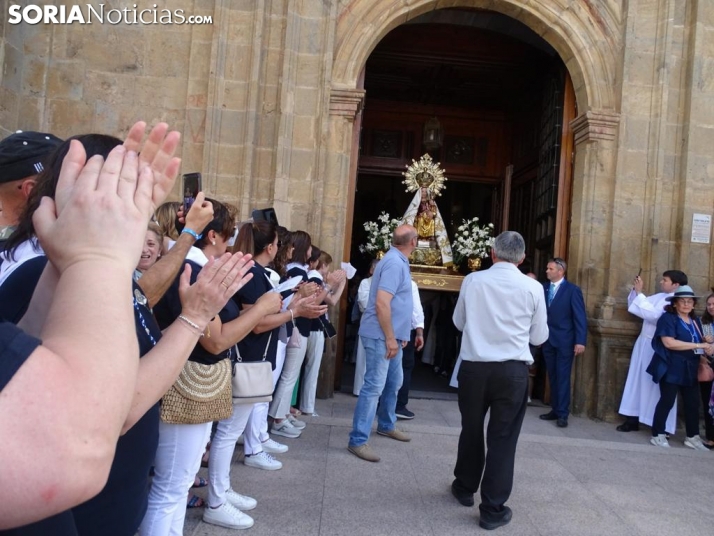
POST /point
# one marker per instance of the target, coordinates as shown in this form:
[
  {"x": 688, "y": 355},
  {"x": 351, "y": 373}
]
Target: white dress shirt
[{"x": 500, "y": 311}]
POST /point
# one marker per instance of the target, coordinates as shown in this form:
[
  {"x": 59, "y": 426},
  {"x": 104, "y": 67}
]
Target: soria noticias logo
[{"x": 101, "y": 14}]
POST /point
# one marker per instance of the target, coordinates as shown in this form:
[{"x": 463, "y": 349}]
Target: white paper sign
[{"x": 701, "y": 228}]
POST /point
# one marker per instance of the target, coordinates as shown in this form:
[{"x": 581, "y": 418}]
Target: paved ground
[{"x": 587, "y": 479}]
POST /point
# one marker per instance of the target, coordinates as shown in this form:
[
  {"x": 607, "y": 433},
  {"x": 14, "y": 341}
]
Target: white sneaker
[
  {"x": 262, "y": 460},
  {"x": 660, "y": 441},
  {"x": 227, "y": 516},
  {"x": 297, "y": 423},
  {"x": 273, "y": 447},
  {"x": 695, "y": 442},
  {"x": 285, "y": 429},
  {"x": 242, "y": 502}
]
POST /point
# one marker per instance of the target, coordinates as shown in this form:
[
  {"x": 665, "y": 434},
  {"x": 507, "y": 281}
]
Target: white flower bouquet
[
  {"x": 472, "y": 240},
  {"x": 379, "y": 234}
]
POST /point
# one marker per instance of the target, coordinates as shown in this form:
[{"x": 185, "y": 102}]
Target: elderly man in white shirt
[{"x": 506, "y": 311}]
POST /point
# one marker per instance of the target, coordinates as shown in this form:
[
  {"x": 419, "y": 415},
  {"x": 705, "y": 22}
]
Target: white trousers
[
  {"x": 360, "y": 367},
  {"x": 178, "y": 459},
  {"x": 280, "y": 406},
  {"x": 223, "y": 445},
  {"x": 313, "y": 358},
  {"x": 256, "y": 431}
]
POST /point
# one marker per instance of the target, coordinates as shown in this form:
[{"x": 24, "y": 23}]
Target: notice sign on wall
[{"x": 701, "y": 228}]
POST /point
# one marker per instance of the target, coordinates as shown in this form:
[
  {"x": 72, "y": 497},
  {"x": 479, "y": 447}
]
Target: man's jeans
[{"x": 382, "y": 381}]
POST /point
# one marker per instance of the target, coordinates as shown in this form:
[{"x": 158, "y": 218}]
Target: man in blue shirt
[{"x": 384, "y": 330}]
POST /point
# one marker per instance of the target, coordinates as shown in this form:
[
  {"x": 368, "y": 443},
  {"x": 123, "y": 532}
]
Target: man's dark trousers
[
  {"x": 407, "y": 367},
  {"x": 502, "y": 388},
  {"x": 559, "y": 364}
]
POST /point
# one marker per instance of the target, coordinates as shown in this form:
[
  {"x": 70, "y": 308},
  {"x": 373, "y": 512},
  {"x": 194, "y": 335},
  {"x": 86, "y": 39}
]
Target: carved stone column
[
  {"x": 590, "y": 255},
  {"x": 342, "y": 128}
]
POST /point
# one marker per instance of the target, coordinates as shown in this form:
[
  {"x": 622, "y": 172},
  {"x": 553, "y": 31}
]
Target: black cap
[{"x": 22, "y": 154}]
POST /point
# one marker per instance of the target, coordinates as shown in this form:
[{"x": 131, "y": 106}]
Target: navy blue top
[
  {"x": 678, "y": 367},
  {"x": 16, "y": 291},
  {"x": 253, "y": 345},
  {"x": 15, "y": 347},
  {"x": 303, "y": 324}
]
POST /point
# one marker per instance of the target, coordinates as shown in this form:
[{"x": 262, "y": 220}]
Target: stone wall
[{"x": 268, "y": 96}]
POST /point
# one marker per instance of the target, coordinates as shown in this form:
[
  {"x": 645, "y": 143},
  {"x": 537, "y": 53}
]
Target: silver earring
[{"x": 213, "y": 242}]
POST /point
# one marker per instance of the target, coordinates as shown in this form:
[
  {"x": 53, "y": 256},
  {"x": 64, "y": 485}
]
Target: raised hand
[
  {"x": 307, "y": 289},
  {"x": 157, "y": 152},
  {"x": 106, "y": 207},
  {"x": 336, "y": 277},
  {"x": 199, "y": 215},
  {"x": 217, "y": 282},
  {"x": 306, "y": 307}
]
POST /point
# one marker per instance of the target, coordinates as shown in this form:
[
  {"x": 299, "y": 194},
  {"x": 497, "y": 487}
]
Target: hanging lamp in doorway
[{"x": 433, "y": 134}]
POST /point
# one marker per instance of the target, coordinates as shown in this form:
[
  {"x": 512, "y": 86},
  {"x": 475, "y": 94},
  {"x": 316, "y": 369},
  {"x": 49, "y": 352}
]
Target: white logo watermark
[{"x": 101, "y": 14}]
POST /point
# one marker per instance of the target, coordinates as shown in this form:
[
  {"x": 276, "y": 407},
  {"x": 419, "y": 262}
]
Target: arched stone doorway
[{"x": 586, "y": 38}]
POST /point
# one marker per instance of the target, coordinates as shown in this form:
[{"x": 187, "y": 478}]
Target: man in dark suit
[{"x": 567, "y": 327}]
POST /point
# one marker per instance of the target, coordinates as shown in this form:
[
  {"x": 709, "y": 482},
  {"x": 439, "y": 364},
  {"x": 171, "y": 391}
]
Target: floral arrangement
[
  {"x": 379, "y": 234},
  {"x": 472, "y": 240}
]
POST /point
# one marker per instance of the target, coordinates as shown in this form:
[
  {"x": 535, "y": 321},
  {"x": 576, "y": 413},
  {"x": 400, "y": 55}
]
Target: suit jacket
[{"x": 567, "y": 322}]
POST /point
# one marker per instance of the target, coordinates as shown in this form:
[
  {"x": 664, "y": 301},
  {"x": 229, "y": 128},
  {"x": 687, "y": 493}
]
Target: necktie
[{"x": 551, "y": 293}]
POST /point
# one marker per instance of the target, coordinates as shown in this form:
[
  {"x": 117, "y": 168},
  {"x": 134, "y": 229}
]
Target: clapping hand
[
  {"x": 217, "y": 282},
  {"x": 101, "y": 212},
  {"x": 157, "y": 153}
]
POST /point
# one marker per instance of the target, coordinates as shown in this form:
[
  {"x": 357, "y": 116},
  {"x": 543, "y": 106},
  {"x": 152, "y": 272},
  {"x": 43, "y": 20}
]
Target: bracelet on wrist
[
  {"x": 193, "y": 233},
  {"x": 195, "y": 327}
]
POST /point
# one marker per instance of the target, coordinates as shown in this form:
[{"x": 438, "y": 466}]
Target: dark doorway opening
[{"x": 503, "y": 100}]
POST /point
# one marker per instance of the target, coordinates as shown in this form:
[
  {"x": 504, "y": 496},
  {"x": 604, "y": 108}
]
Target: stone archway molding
[{"x": 585, "y": 34}]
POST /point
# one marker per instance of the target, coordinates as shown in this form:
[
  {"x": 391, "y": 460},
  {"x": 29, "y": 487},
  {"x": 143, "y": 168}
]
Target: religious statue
[
  {"x": 426, "y": 179},
  {"x": 425, "y": 219}
]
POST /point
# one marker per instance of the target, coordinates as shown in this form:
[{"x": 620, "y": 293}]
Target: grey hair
[{"x": 509, "y": 246}]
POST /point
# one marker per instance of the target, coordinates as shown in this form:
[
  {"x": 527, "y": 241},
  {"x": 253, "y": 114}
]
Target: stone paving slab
[{"x": 586, "y": 480}]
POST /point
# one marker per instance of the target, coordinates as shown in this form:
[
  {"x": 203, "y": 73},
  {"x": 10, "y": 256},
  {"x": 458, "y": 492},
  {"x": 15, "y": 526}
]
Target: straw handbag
[{"x": 202, "y": 393}]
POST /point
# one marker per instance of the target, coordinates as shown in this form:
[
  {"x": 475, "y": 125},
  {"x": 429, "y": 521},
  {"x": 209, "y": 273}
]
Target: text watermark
[{"x": 102, "y": 14}]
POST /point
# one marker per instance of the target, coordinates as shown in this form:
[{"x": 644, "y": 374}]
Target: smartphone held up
[{"x": 190, "y": 186}]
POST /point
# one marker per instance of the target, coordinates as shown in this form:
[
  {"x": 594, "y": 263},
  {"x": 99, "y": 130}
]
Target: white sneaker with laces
[
  {"x": 297, "y": 423},
  {"x": 660, "y": 441},
  {"x": 262, "y": 460},
  {"x": 695, "y": 442},
  {"x": 285, "y": 429},
  {"x": 242, "y": 502},
  {"x": 273, "y": 447},
  {"x": 227, "y": 516}
]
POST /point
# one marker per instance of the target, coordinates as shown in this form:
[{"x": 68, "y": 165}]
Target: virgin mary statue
[{"x": 426, "y": 180}]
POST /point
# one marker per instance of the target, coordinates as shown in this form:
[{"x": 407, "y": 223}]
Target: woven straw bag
[{"x": 202, "y": 393}]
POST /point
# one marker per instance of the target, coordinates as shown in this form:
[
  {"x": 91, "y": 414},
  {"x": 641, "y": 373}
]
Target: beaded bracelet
[
  {"x": 192, "y": 233},
  {"x": 192, "y": 324}
]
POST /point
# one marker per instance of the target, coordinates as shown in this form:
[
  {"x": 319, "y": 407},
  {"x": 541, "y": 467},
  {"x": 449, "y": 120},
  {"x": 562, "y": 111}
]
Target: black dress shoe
[
  {"x": 494, "y": 524},
  {"x": 562, "y": 422},
  {"x": 628, "y": 427},
  {"x": 550, "y": 416},
  {"x": 465, "y": 499}
]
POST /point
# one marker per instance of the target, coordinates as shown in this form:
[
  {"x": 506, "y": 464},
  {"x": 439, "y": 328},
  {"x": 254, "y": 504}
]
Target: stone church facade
[{"x": 268, "y": 99}]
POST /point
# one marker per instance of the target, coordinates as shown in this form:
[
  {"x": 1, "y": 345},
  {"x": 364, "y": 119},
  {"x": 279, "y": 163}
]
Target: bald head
[{"x": 403, "y": 235}]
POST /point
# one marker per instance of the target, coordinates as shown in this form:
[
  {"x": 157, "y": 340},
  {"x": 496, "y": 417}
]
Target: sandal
[
  {"x": 295, "y": 412},
  {"x": 194, "y": 501},
  {"x": 199, "y": 482}
]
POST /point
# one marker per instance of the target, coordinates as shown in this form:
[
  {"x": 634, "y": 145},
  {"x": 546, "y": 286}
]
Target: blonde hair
[
  {"x": 166, "y": 219},
  {"x": 154, "y": 228},
  {"x": 325, "y": 259}
]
